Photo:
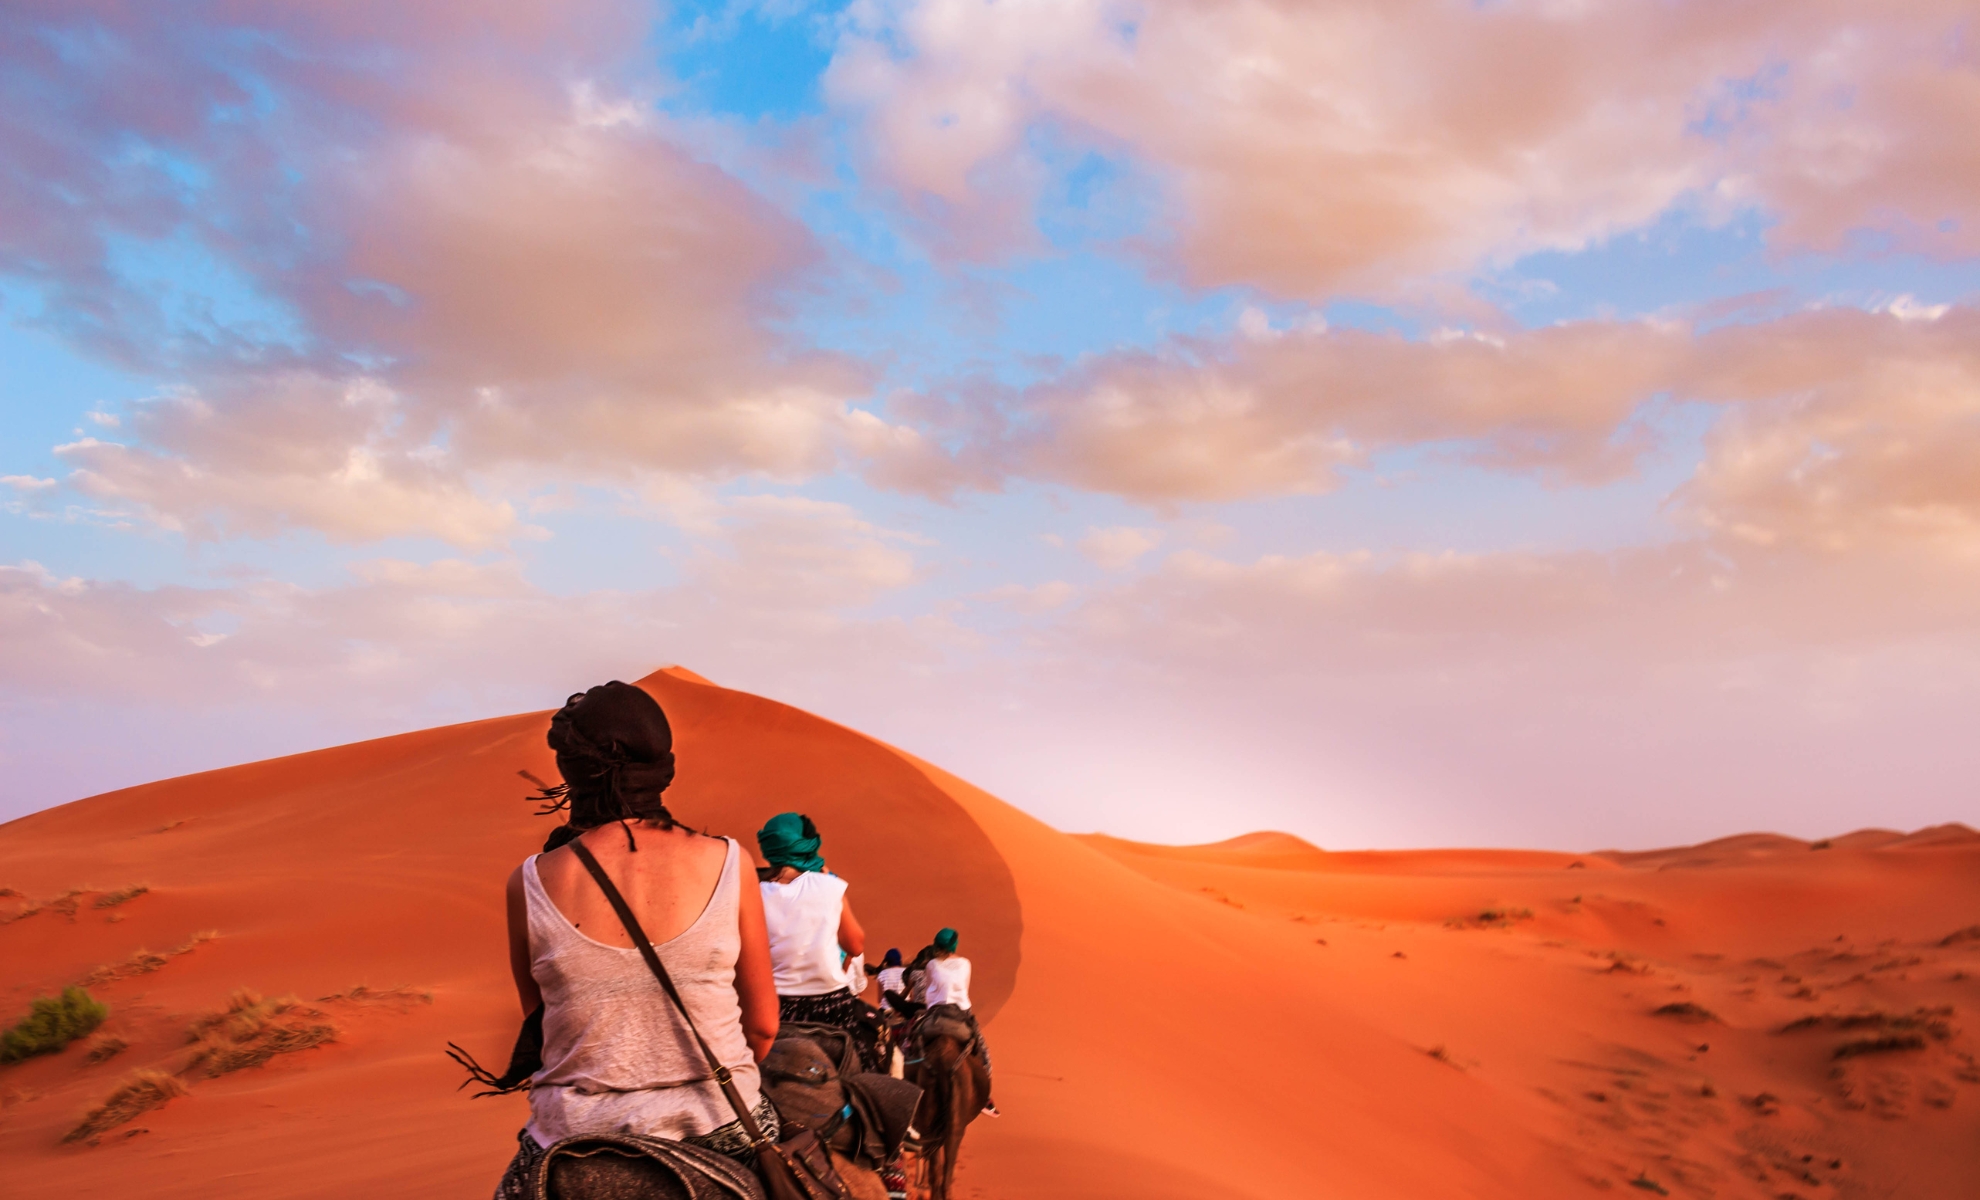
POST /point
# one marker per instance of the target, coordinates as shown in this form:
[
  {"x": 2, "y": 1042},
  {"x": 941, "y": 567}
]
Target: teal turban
[
  {"x": 946, "y": 940},
  {"x": 790, "y": 840}
]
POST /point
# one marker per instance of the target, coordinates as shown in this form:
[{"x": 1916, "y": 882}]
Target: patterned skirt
[
  {"x": 728, "y": 1140},
  {"x": 840, "y": 1008}
]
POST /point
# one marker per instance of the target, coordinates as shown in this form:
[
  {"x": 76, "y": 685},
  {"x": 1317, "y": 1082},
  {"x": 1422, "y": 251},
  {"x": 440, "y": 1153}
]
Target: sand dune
[{"x": 1254, "y": 1018}]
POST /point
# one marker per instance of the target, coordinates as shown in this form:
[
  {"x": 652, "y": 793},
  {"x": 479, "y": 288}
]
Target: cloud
[
  {"x": 772, "y": 574},
  {"x": 1313, "y": 149},
  {"x": 1033, "y": 599},
  {"x": 277, "y": 452},
  {"x": 1832, "y": 426},
  {"x": 485, "y": 221},
  {"x": 1862, "y": 131},
  {"x": 1118, "y": 546},
  {"x": 788, "y": 554},
  {"x": 1219, "y": 420},
  {"x": 1855, "y": 430}
]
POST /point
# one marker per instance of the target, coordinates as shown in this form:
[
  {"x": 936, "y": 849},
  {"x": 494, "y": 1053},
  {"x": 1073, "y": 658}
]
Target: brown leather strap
[{"x": 750, "y": 1128}]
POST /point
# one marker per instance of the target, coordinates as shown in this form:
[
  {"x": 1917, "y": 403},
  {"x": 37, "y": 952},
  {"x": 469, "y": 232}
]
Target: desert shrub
[
  {"x": 141, "y": 1092},
  {"x": 251, "y": 1030},
  {"x": 1686, "y": 1011},
  {"x": 52, "y": 1023},
  {"x": 113, "y": 899}
]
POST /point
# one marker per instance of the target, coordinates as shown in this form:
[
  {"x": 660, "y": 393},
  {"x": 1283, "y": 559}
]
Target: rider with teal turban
[
  {"x": 944, "y": 987},
  {"x": 791, "y": 840},
  {"x": 816, "y": 944}
]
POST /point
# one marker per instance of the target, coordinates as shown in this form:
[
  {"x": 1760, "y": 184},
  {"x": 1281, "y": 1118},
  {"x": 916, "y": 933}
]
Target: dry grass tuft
[
  {"x": 140, "y": 1093},
  {"x": 1688, "y": 1012},
  {"x": 196, "y": 940},
  {"x": 121, "y": 895},
  {"x": 1888, "y": 1044},
  {"x": 64, "y": 904},
  {"x": 1495, "y": 917},
  {"x": 143, "y": 962},
  {"x": 251, "y": 1031},
  {"x": 104, "y": 1047},
  {"x": 369, "y": 995},
  {"x": 1931, "y": 1023}
]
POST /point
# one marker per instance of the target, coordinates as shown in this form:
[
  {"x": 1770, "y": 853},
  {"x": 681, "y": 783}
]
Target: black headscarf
[{"x": 615, "y": 751}]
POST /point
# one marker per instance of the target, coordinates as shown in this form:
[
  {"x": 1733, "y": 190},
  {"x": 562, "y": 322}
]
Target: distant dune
[{"x": 1752, "y": 1017}]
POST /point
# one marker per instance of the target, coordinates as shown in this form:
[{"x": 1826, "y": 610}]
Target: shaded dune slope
[{"x": 1256, "y": 1018}]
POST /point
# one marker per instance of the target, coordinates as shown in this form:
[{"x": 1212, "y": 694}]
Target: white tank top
[
  {"x": 803, "y": 916},
  {"x": 948, "y": 981},
  {"x": 616, "y": 1056}
]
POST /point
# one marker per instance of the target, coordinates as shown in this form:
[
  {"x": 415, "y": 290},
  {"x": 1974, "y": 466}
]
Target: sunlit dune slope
[
  {"x": 1752, "y": 1017},
  {"x": 1255, "y": 1018}
]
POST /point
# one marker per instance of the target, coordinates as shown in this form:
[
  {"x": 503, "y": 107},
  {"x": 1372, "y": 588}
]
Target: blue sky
[{"x": 1008, "y": 388}]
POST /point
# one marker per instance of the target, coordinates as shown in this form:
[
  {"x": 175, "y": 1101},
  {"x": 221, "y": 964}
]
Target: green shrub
[{"x": 52, "y": 1023}]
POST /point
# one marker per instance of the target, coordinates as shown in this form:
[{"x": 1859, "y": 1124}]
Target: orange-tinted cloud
[
  {"x": 1259, "y": 415},
  {"x": 1836, "y": 427},
  {"x": 1849, "y": 430},
  {"x": 481, "y": 217},
  {"x": 1314, "y": 148}
]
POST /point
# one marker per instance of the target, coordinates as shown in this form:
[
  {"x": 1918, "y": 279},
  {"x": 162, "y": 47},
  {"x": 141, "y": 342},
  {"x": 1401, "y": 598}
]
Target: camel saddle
[{"x": 945, "y": 1020}]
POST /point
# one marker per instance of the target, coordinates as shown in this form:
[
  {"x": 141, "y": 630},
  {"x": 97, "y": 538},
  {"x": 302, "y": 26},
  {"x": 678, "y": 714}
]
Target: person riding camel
[
  {"x": 892, "y": 980},
  {"x": 817, "y": 948},
  {"x": 947, "y": 994},
  {"x": 602, "y": 1050},
  {"x": 915, "y": 980}
]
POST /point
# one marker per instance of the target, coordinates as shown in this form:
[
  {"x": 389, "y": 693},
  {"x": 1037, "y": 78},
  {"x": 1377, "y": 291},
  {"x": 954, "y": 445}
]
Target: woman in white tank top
[
  {"x": 817, "y": 948},
  {"x": 616, "y": 1056}
]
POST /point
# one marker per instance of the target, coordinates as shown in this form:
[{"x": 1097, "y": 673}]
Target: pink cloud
[
  {"x": 1201, "y": 420},
  {"x": 1311, "y": 149},
  {"x": 1856, "y": 429},
  {"x": 483, "y": 216}
]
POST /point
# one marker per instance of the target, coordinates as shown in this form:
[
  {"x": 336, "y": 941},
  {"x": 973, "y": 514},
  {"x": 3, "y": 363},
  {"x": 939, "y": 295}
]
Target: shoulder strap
[{"x": 750, "y": 1129}]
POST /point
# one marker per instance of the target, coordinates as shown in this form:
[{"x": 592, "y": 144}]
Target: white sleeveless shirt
[
  {"x": 948, "y": 981},
  {"x": 616, "y": 1056},
  {"x": 803, "y": 916}
]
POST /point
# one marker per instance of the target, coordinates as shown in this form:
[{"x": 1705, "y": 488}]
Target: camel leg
[{"x": 951, "y": 1150}]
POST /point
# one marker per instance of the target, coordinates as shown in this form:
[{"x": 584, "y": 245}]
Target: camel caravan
[{"x": 695, "y": 1033}]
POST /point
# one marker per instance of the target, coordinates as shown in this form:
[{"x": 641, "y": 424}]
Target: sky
[{"x": 1398, "y": 422}]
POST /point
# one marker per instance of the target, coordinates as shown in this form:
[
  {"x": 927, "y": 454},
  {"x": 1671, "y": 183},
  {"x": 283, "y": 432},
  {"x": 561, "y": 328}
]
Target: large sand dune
[{"x": 1256, "y": 1018}]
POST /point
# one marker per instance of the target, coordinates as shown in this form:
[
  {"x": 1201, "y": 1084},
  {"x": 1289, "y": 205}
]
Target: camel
[{"x": 955, "y": 1087}]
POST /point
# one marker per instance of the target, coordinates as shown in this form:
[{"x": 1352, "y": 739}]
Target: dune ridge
[{"x": 1257, "y": 1017}]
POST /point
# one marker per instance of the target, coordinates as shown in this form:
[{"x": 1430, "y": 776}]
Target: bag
[
  {"x": 860, "y": 1115},
  {"x": 806, "y": 1086},
  {"x": 797, "y": 1168}
]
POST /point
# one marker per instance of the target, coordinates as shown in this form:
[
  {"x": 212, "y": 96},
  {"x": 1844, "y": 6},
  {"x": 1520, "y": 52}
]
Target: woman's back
[
  {"x": 667, "y": 881},
  {"x": 616, "y": 1055},
  {"x": 802, "y": 917}
]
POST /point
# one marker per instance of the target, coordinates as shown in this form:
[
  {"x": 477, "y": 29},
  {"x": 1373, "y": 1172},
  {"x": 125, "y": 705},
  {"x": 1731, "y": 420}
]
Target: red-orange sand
[{"x": 1257, "y": 1018}]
